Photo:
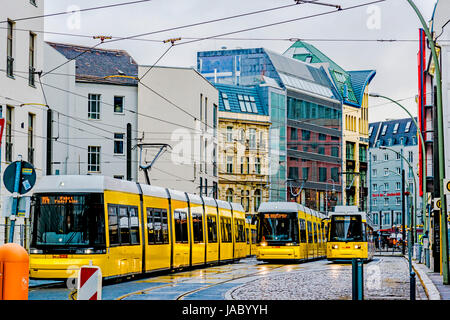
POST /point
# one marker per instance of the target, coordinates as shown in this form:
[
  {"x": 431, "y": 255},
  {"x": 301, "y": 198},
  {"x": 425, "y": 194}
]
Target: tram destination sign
[{"x": 27, "y": 177}]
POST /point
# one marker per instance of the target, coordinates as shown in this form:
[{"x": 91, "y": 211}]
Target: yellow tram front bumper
[
  {"x": 277, "y": 253},
  {"x": 346, "y": 250},
  {"x": 45, "y": 266}
]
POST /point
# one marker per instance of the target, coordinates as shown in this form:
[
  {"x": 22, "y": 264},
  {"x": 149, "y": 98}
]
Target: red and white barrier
[{"x": 89, "y": 283}]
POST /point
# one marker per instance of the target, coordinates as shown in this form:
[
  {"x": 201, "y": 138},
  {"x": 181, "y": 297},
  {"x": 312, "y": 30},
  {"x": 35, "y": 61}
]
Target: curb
[{"x": 430, "y": 289}]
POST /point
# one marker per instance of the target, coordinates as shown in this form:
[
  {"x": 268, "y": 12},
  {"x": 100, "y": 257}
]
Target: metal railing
[{"x": 22, "y": 234}]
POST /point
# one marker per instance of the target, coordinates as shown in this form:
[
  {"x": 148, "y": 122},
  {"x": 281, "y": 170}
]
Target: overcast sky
[{"x": 394, "y": 62}]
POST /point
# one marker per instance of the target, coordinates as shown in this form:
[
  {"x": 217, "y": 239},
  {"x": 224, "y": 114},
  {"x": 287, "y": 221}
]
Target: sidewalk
[{"x": 432, "y": 282}]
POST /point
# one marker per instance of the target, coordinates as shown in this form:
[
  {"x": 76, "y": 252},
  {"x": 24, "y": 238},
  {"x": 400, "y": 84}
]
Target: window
[
  {"x": 181, "y": 228},
  {"x": 386, "y": 186},
  {"x": 10, "y": 50},
  {"x": 386, "y": 201},
  {"x": 395, "y": 128},
  {"x": 370, "y": 131},
  {"x": 384, "y": 130},
  {"x": 226, "y": 103},
  {"x": 118, "y": 143},
  {"x": 225, "y": 228},
  {"x": 123, "y": 224},
  {"x": 294, "y": 135},
  {"x": 229, "y": 164},
  {"x": 212, "y": 229},
  {"x": 31, "y": 63},
  {"x": 252, "y": 139},
  {"x": 321, "y": 150},
  {"x": 386, "y": 172},
  {"x": 410, "y": 156},
  {"x": 94, "y": 106},
  {"x": 229, "y": 195},
  {"x": 374, "y": 172},
  {"x": 398, "y": 200},
  {"x": 374, "y": 202},
  {"x": 310, "y": 232},
  {"x": 118, "y": 104},
  {"x": 245, "y": 201},
  {"x": 253, "y": 104},
  {"x": 118, "y": 177},
  {"x": 242, "y": 103},
  {"x": 293, "y": 173},
  {"x": 374, "y": 157},
  {"x": 94, "y": 159},
  {"x": 305, "y": 173},
  {"x": 240, "y": 230},
  {"x": 258, "y": 165},
  {"x": 322, "y": 174},
  {"x": 158, "y": 230},
  {"x": 335, "y": 151},
  {"x": 322, "y": 136},
  {"x": 215, "y": 119},
  {"x": 386, "y": 157},
  {"x": 197, "y": 226},
  {"x": 306, "y": 135},
  {"x": 229, "y": 134},
  {"x": 302, "y": 231},
  {"x": 31, "y": 121},
  {"x": 258, "y": 199},
  {"x": 375, "y": 187},
  {"x": 408, "y": 125},
  {"x": 398, "y": 156},
  {"x": 8, "y": 134}
]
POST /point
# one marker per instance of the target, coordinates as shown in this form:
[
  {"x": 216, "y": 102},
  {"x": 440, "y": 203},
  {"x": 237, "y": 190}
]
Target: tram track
[{"x": 181, "y": 296}]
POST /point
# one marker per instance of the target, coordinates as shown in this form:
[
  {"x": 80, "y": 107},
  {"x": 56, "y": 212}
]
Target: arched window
[
  {"x": 245, "y": 200},
  {"x": 229, "y": 195}
]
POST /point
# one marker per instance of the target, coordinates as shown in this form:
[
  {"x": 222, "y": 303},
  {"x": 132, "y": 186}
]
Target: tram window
[
  {"x": 197, "y": 225},
  {"x": 212, "y": 229},
  {"x": 225, "y": 227},
  {"x": 113, "y": 225},
  {"x": 124, "y": 226},
  {"x": 240, "y": 227},
  {"x": 315, "y": 233},
  {"x": 302, "y": 231},
  {"x": 254, "y": 236},
  {"x": 247, "y": 236},
  {"x": 157, "y": 226},
  {"x": 310, "y": 232},
  {"x": 134, "y": 225},
  {"x": 181, "y": 231}
]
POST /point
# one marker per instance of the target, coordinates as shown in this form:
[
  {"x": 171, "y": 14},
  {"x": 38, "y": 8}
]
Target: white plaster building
[
  {"x": 94, "y": 118},
  {"x": 21, "y": 54},
  {"x": 178, "y": 106}
]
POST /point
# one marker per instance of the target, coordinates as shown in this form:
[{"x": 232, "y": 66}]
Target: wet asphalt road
[{"x": 385, "y": 278}]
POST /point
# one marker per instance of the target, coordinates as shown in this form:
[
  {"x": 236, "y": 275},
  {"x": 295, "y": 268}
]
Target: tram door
[
  {"x": 181, "y": 246},
  {"x": 303, "y": 239}
]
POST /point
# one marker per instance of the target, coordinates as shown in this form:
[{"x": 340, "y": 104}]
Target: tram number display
[
  {"x": 59, "y": 200},
  {"x": 345, "y": 218},
  {"x": 275, "y": 215}
]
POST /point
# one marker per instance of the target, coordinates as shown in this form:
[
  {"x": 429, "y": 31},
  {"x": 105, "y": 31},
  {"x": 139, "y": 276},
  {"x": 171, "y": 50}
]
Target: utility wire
[{"x": 81, "y": 10}]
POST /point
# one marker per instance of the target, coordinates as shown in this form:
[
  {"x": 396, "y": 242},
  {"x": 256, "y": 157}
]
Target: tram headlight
[
  {"x": 36, "y": 251},
  {"x": 263, "y": 244},
  {"x": 290, "y": 244},
  {"x": 89, "y": 251},
  {"x": 335, "y": 246},
  {"x": 357, "y": 246}
]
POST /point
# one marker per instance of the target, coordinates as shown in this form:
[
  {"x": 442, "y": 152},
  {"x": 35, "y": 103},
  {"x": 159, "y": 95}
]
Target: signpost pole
[{"x": 16, "y": 197}]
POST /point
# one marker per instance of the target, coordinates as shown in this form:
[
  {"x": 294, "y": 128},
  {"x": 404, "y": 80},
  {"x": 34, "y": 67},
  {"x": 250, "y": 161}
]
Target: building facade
[
  {"x": 21, "y": 101},
  {"x": 186, "y": 119},
  {"x": 385, "y": 176},
  {"x": 304, "y": 112},
  {"x": 94, "y": 121},
  {"x": 243, "y": 155},
  {"x": 352, "y": 90}
]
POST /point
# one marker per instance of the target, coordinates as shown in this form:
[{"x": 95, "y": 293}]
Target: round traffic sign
[
  {"x": 438, "y": 203},
  {"x": 27, "y": 177}
]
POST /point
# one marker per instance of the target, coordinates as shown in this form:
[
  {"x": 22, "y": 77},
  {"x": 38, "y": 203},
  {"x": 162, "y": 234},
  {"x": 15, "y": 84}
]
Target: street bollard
[
  {"x": 357, "y": 279},
  {"x": 14, "y": 276},
  {"x": 412, "y": 286}
]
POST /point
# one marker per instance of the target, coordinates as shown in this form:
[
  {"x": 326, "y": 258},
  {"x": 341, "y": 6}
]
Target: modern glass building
[{"x": 305, "y": 114}]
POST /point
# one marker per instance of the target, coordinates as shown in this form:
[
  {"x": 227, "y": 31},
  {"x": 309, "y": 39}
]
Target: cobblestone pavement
[{"x": 385, "y": 278}]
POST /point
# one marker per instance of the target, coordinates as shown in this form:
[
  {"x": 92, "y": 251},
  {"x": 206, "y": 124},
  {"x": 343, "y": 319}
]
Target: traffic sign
[
  {"x": 89, "y": 283},
  {"x": 437, "y": 203},
  {"x": 446, "y": 186},
  {"x": 27, "y": 177}
]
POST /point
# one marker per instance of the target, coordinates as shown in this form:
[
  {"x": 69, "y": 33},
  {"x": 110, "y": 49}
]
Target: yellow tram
[
  {"x": 128, "y": 228},
  {"x": 350, "y": 235},
  {"x": 290, "y": 231}
]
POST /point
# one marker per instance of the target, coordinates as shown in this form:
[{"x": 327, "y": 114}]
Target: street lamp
[
  {"x": 439, "y": 112},
  {"x": 412, "y": 275},
  {"x": 422, "y": 142}
]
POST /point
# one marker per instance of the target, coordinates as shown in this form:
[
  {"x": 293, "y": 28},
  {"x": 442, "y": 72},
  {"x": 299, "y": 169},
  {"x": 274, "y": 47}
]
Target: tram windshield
[
  {"x": 279, "y": 227},
  {"x": 347, "y": 228},
  {"x": 67, "y": 222}
]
